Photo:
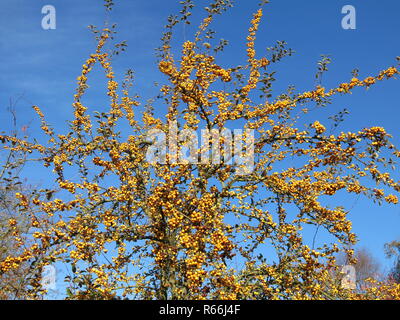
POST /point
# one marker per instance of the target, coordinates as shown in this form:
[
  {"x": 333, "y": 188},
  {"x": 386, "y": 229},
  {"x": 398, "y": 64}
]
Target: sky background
[{"x": 41, "y": 66}]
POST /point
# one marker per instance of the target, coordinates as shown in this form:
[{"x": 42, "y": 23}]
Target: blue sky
[{"x": 43, "y": 64}]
